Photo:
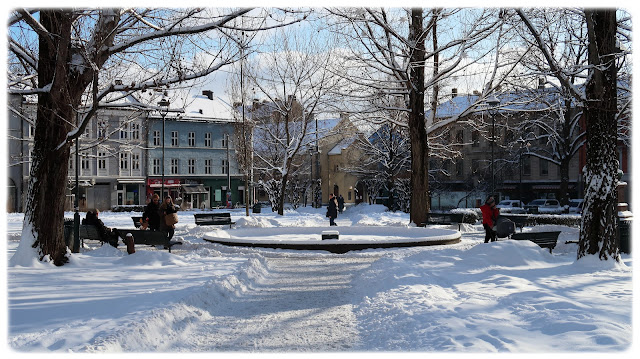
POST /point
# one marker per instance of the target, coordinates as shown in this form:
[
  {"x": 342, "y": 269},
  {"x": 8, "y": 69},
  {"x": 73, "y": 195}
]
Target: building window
[
  {"x": 459, "y": 168},
  {"x": 475, "y": 137},
  {"x": 544, "y": 167},
  {"x": 135, "y": 131},
  {"x": 103, "y": 128},
  {"x": 526, "y": 166},
  {"x": 85, "y": 165},
  {"x": 124, "y": 130},
  {"x": 124, "y": 161},
  {"x": 156, "y": 138},
  {"x": 475, "y": 166},
  {"x": 135, "y": 162},
  {"x": 191, "y": 166},
  {"x": 207, "y": 167},
  {"x": 174, "y": 138},
  {"x": 174, "y": 166},
  {"x": 225, "y": 167},
  {"x": 156, "y": 166},
  {"x": 207, "y": 139},
  {"x": 102, "y": 162},
  {"x": 446, "y": 167},
  {"x": 225, "y": 141},
  {"x": 460, "y": 137},
  {"x": 192, "y": 139}
]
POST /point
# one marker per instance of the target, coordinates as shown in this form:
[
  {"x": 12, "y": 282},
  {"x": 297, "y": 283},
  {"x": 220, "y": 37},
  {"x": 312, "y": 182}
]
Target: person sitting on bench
[{"x": 106, "y": 234}]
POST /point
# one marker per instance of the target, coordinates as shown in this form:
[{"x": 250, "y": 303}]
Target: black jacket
[
  {"x": 152, "y": 215},
  {"x": 332, "y": 209},
  {"x": 103, "y": 231}
]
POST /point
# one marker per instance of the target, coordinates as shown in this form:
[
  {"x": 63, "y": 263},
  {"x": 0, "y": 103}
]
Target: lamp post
[
  {"x": 164, "y": 109},
  {"x": 311, "y": 181},
  {"x": 493, "y": 101}
]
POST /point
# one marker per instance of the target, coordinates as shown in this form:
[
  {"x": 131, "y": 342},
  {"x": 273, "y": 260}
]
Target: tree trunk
[
  {"x": 565, "y": 148},
  {"x": 283, "y": 190},
  {"x": 598, "y": 230},
  {"x": 419, "y": 147},
  {"x": 46, "y": 195}
]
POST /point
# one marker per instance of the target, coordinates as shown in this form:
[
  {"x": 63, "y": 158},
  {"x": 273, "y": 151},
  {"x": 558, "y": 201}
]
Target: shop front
[
  {"x": 195, "y": 195},
  {"x": 172, "y": 187}
]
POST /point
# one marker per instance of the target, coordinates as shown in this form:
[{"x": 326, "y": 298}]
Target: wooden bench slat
[{"x": 222, "y": 218}]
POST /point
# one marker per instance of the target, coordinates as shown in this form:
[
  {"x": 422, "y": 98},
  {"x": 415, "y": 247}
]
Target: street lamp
[
  {"x": 311, "y": 177},
  {"x": 493, "y": 102},
  {"x": 164, "y": 110}
]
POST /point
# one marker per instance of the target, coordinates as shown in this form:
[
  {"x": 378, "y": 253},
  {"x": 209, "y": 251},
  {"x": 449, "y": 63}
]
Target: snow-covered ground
[{"x": 508, "y": 296}]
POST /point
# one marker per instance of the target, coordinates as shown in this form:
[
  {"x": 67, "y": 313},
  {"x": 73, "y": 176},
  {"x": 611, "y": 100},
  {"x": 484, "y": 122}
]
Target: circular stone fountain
[{"x": 350, "y": 238}]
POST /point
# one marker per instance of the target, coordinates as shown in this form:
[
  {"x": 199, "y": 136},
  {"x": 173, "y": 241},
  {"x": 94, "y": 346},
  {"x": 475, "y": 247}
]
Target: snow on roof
[
  {"x": 208, "y": 106},
  {"x": 509, "y": 101},
  {"x": 342, "y": 145}
]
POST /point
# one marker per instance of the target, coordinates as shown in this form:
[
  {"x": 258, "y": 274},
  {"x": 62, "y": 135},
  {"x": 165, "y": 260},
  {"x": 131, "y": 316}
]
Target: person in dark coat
[
  {"x": 340, "y": 204},
  {"x": 167, "y": 208},
  {"x": 151, "y": 214},
  {"x": 332, "y": 210},
  {"x": 106, "y": 234},
  {"x": 489, "y": 216}
]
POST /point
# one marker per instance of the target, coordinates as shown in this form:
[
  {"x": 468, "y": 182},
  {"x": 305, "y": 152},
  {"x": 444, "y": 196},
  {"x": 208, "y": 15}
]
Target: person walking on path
[
  {"x": 151, "y": 216},
  {"x": 489, "y": 216},
  {"x": 340, "y": 204},
  {"x": 332, "y": 210}
]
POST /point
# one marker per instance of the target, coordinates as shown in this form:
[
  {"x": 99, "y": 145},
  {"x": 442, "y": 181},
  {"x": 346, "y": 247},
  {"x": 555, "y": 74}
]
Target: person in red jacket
[{"x": 489, "y": 215}]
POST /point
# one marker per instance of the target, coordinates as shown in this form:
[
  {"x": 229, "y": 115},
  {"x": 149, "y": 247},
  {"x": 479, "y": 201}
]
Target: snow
[{"x": 507, "y": 296}]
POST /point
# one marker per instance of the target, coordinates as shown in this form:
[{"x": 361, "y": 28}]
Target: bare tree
[
  {"x": 599, "y": 98},
  {"x": 69, "y": 58},
  {"x": 388, "y": 56},
  {"x": 293, "y": 78}
]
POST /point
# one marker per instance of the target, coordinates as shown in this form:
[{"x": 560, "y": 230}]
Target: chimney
[
  {"x": 454, "y": 92},
  {"x": 208, "y": 93},
  {"x": 541, "y": 82}
]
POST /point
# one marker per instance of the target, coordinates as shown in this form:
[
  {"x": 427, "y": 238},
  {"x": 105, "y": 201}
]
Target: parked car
[
  {"x": 575, "y": 205},
  {"x": 544, "y": 206},
  {"x": 511, "y": 206}
]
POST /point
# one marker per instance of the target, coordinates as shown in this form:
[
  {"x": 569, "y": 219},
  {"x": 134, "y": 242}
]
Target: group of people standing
[{"x": 160, "y": 216}]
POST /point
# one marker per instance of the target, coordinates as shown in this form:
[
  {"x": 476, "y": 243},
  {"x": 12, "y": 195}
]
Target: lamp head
[{"x": 164, "y": 106}]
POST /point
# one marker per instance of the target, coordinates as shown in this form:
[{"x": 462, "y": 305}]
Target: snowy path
[{"x": 295, "y": 303}]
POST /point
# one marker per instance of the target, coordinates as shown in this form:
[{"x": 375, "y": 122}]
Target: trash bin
[
  {"x": 257, "y": 208},
  {"x": 624, "y": 235}
]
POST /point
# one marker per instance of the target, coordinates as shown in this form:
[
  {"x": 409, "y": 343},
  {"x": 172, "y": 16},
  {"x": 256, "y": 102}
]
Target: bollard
[{"x": 130, "y": 243}]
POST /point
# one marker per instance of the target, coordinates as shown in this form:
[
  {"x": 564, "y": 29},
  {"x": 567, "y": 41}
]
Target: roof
[
  {"x": 509, "y": 101},
  {"x": 208, "y": 106},
  {"x": 342, "y": 145}
]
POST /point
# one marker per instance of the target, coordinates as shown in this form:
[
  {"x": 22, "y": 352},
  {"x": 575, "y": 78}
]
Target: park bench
[
  {"x": 543, "y": 239},
  {"x": 88, "y": 232},
  {"x": 446, "y": 218},
  {"x": 204, "y": 219},
  {"x": 330, "y": 235},
  {"x": 136, "y": 221},
  {"x": 151, "y": 238},
  {"x": 519, "y": 220}
]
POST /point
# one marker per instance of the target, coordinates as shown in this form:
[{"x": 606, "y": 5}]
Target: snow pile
[{"x": 506, "y": 296}]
